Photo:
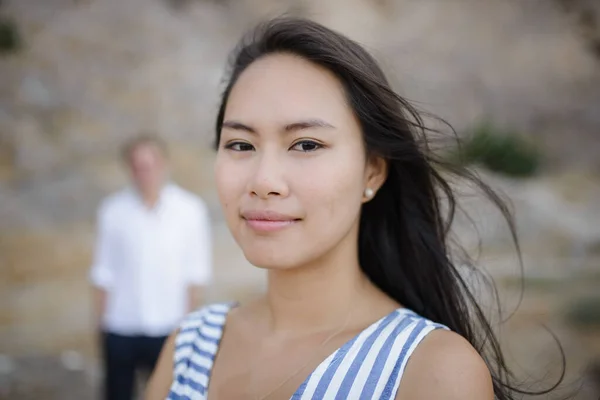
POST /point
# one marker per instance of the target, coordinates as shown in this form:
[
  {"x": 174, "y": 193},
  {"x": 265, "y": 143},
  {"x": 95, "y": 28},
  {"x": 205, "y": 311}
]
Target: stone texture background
[{"x": 95, "y": 71}]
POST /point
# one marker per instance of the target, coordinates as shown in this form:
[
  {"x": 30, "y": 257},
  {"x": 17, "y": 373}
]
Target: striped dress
[{"x": 369, "y": 366}]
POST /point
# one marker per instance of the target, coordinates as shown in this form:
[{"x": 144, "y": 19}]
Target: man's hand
[
  {"x": 99, "y": 304},
  {"x": 195, "y": 297}
]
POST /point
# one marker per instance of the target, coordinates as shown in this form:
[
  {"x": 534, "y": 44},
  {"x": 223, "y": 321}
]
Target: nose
[{"x": 268, "y": 178}]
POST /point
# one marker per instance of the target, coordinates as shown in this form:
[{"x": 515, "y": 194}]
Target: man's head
[{"x": 146, "y": 158}]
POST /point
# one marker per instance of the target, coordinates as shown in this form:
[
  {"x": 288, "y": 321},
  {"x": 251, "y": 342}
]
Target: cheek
[
  {"x": 335, "y": 190},
  {"x": 229, "y": 184}
]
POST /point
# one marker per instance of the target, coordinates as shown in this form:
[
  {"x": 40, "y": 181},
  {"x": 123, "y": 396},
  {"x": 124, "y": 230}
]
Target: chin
[{"x": 271, "y": 259}]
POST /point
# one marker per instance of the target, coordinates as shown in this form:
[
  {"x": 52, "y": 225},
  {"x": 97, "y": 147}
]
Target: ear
[{"x": 376, "y": 173}]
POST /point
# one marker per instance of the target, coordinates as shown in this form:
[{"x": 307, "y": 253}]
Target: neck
[
  {"x": 319, "y": 296},
  {"x": 150, "y": 196},
  {"x": 150, "y": 200}
]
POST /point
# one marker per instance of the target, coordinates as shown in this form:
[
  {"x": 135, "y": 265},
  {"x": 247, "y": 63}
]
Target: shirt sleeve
[
  {"x": 102, "y": 270},
  {"x": 199, "y": 249}
]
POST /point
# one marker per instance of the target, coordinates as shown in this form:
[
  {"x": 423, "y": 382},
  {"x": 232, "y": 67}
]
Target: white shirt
[{"x": 146, "y": 259}]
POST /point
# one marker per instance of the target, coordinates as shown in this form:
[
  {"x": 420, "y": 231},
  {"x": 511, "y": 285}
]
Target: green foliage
[
  {"x": 10, "y": 39},
  {"x": 584, "y": 312},
  {"x": 540, "y": 284},
  {"x": 501, "y": 151}
]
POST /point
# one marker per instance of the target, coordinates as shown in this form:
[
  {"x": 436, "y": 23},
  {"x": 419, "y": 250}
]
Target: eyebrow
[{"x": 295, "y": 126}]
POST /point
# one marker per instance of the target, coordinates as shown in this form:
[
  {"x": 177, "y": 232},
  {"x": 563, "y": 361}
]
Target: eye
[
  {"x": 239, "y": 146},
  {"x": 306, "y": 146}
]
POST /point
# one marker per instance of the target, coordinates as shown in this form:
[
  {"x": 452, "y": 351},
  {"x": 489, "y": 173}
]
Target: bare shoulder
[
  {"x": 445, "y": 366},
  {"x": 162, "y": 377}
]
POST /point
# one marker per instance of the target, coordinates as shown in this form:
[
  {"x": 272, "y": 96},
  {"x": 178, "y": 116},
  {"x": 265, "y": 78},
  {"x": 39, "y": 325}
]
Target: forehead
[
  {"x": 145, "y": 151},
  {"x": 283, "y": 87}
]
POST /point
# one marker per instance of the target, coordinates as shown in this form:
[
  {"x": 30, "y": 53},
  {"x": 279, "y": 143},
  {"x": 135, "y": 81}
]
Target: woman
[{"x": 323, "y": 182}]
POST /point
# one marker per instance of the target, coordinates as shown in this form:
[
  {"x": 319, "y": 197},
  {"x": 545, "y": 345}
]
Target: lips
[{"x": 268, "y": 221}]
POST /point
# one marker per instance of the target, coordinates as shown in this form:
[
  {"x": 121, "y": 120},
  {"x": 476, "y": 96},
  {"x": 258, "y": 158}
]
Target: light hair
[{"x": 143, "y": 139}]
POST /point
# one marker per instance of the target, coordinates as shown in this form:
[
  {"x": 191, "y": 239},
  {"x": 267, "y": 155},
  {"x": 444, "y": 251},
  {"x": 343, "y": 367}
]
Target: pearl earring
[{"x": 369, "y": 193}]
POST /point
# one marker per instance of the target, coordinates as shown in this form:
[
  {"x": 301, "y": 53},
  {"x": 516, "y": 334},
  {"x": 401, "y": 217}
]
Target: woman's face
[{"x": 291, "y": 169}]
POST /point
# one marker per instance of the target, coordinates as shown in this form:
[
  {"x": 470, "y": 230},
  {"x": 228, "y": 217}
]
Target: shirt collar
[{"x": 162, "y": 197}]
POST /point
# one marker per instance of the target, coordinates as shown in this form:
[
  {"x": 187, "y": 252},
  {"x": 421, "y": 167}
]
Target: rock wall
[
  {"x": 586, "y": 15},
  {"x": 94, "y": 72}
]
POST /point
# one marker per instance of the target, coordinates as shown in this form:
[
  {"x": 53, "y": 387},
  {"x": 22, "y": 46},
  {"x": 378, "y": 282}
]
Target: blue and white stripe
[{"x": 370, "y": 366}]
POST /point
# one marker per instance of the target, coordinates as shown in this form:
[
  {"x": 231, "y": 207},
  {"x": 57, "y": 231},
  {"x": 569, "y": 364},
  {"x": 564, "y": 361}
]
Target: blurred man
[{"x": 152, "y": 257}]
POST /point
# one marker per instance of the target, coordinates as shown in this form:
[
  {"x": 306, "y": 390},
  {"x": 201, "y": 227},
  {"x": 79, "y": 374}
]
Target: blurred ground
[{"x": 93, "y": 72}]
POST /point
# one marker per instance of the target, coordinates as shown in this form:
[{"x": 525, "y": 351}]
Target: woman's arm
[
  {"x": 446, "y": 367},
  {"x": 162, "y": 376}
]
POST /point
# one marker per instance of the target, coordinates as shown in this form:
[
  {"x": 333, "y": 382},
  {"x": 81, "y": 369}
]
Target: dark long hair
[{"x": 404, "y": 229}]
